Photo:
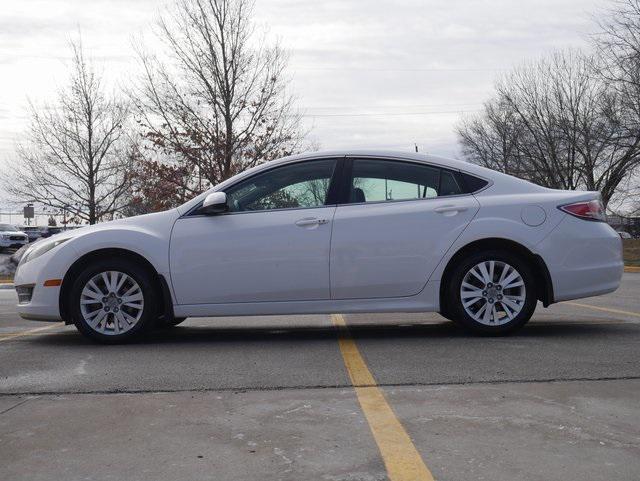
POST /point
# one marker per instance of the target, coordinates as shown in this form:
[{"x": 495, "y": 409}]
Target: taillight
[{"x": 587, "y": 210}]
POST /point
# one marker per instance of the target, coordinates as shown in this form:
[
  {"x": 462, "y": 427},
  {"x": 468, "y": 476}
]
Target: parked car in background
[
  {"x": 331, "y": 232},
  {"x": 11, "y": 237},
  {"x": 32, "y": 231},
  {"x": 48, "y": 231},
  {"x": 625, "y": 235}
]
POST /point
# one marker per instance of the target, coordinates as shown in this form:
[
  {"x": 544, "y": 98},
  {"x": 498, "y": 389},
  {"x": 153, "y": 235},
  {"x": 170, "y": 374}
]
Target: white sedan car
[
  {"x": 11, "y": 237},
  {"x": 331, "y": 232}
]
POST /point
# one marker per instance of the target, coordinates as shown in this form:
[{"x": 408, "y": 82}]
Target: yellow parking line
[
  {"x": 13, "y": 335},
  {"x": 605, "y": 309},
  {"x": 400, "y": 456}
]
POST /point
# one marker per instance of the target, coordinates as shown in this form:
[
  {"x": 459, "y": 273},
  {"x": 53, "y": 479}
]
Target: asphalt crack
[
  {"x": 14, "y": 406},
  {"x": 320, "y": 386}
]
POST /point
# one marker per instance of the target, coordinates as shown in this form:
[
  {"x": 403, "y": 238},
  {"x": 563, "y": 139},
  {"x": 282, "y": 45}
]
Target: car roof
[{"x": 394, "y": 154}]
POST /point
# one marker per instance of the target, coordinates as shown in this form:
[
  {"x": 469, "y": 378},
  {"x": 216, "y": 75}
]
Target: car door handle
[
  {"x": 449, "y": 209},
  {"x": 311, "y": 221}
]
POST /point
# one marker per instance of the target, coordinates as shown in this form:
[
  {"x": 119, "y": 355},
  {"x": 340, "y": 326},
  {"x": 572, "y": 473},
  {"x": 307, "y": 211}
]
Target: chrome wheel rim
[
  {"x": 111, "y": 303},
  {"x": 493, "y": 293}
]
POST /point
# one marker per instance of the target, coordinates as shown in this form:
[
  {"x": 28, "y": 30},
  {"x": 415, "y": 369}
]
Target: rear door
[{"x": 400, "y": 219}]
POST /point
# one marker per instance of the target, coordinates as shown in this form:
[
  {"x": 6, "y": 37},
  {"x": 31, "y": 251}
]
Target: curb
[{"x": 6, "y": 285}]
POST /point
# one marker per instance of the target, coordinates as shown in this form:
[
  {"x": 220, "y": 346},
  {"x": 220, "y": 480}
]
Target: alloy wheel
[
  {"x": 493, "y": 293},
  {"x": 111, "y": 303}
]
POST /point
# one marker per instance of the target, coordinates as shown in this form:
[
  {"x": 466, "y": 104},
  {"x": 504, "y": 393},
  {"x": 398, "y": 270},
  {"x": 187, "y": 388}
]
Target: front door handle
[
  {"x": 309, "y": 221},
  {"x": 449, "y": 209}
]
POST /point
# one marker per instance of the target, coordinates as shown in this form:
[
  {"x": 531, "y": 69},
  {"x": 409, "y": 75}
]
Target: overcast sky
[{"x": 367, "y": 73}]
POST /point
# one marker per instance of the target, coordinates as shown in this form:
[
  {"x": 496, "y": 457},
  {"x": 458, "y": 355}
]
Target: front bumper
[
  {"x": 12, "y": 244},
  {"x": 44, "y": 304}
]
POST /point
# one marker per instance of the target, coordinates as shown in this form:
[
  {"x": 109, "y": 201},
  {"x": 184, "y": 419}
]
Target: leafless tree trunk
[
  {"x": 558, "y": 123},
  {"x": 215, "y": 101},
  {"x": 71, "y": 160}
]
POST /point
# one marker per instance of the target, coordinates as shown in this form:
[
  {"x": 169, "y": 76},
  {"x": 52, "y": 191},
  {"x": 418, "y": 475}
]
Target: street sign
[{"x": 28, "y": 211}]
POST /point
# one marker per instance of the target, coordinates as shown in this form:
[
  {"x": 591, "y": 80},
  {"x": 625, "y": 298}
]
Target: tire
[
  {"x": 132, "y": 304},
  {"x": 173, "y": 322},
  {"x": 509, "y": 305},
  {"x": 445, "y": 313}
]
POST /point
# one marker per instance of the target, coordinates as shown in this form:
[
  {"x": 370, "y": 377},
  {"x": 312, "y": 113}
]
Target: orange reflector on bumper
[{"x": 52, "y": 282}]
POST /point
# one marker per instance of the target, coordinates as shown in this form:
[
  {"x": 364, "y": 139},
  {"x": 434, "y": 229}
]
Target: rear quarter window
[{"x": 473, "y": 183}]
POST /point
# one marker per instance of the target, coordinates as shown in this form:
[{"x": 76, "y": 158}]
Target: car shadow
[{"x": 442, "y": 332}]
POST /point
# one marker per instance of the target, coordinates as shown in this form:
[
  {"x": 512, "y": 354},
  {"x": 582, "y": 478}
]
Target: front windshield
[{"x": 8, "y": 228}]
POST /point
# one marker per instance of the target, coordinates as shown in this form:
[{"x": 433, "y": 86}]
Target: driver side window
[{"x": 301, "y": 185}]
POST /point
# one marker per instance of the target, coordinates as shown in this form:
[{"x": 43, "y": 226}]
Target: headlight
[{"x": 40, "y": 248}]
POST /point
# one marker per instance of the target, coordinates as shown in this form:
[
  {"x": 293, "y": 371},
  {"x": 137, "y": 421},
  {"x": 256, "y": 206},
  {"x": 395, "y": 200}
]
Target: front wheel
[
  {"x": 113, "y": 300},
  {"x": 492, "y": 292}
]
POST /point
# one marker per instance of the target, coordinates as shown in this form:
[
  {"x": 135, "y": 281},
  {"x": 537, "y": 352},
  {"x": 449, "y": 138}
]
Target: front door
[
  {"x": 401, "y": 219},
  {"x": 272, "y": 245}
]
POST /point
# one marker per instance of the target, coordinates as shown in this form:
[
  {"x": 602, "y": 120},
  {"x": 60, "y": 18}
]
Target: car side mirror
[{"x": 214, "y": 203}]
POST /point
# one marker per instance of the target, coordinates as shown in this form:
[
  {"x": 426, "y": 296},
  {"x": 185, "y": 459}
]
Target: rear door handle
[
  {"x": 449, "y": 209},
  {"x": 311, "y": 221}
]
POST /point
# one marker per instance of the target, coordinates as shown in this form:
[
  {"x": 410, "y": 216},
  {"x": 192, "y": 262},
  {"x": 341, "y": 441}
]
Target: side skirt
[{"x": 425, "y": 301}]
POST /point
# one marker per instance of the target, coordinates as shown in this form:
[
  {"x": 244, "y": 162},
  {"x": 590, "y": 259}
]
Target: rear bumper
[{"x": 584, "y": 259}]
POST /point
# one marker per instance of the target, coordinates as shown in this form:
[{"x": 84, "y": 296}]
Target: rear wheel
[
  {"x": 113, "y": 300},
  {"x": 491, "y": 292}
]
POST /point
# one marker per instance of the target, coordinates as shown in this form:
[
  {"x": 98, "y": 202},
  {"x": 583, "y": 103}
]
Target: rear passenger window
[
  {"x": 376, "y": 180},
  {"x": 448, "y": 184}
]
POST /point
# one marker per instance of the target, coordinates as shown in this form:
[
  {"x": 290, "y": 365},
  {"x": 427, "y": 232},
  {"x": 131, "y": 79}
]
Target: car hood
[
  {"x": 139, "y": 221},
  {"x": 12, "y": 232},
  {"x": 158, "y": 223}
]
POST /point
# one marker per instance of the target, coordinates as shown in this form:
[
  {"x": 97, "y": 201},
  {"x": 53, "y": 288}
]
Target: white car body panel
[
  {"x": 424, "y": 301},
  {"x": 390, "y": 249},
  {"x": 251, "y": 257},
  {"x": 145, "y": 235},
  {"x": 582, "y": 262},
  {"x": 261, "y": 263}
]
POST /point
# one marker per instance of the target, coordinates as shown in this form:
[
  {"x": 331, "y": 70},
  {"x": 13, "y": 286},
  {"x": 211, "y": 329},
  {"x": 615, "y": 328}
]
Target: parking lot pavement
[{"x": 273, "y": 398}]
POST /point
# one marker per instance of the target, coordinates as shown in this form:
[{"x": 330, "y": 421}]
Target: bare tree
[
  {"x": 492, "y": 140},
  {"x": 72, "y": 159},
  {"x": 618, "y": 48},
  {"x": 154, "y": 185},
  {"x": 215, "y": 102},
  {"x": 558, "y": 123}
]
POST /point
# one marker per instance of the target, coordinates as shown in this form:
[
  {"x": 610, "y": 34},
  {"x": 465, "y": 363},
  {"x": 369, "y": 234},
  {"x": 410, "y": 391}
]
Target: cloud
[{"x": 356, "y": 56}]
